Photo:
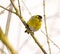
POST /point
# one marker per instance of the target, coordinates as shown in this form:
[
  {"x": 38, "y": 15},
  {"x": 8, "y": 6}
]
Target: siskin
[{"x": 34, "y": 23}]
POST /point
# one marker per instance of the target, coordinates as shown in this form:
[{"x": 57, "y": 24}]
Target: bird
[{"x": 34, "y": 23}]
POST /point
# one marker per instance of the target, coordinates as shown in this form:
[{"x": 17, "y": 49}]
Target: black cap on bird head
[{"x": 39, "y": 16}]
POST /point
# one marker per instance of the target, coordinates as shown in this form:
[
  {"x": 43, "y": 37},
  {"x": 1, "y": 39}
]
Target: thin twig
[
  {"x": 7, "y": 9},
  {"x": 46, "y": 27},
  {"x": 38, "y": 43},
  {"x": 14, "y": 5},
  {"x": 19, "y": 7},
  {"x": 23, "y": 44},
  {"x": 8, "y": 20},
  {"x": 52, "y": 41},
  {"x": 3, "y": 51},
  {"x": 1, "y": 12},
  {"x": 26, "y": 8}
]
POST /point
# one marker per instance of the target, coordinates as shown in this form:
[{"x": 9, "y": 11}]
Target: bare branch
[
  {"x": 14, "y": 6},
  {"x": 19, "y": 7},
  {"x": 5, "y": 40},
  {"x": 52, "y": 41},
  {"x": 46, "y": 27},
  {"x": 26, "y": 8},
  {"x": 3, "y": 51},
  {"x": 1, "y": 12},
  {"x": 8, "y": 23},
  {"x": 7, "y": 9}
]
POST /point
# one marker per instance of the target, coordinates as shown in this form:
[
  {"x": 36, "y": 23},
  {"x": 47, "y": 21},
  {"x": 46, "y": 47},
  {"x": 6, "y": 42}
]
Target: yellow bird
[{"x": 34, "y": 23}]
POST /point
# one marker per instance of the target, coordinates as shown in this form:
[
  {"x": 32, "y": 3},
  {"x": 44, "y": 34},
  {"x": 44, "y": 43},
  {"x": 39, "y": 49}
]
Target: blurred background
[{"x": 23, "y": 42}]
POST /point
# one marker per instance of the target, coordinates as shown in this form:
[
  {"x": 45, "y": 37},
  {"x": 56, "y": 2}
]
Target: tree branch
[
  {"x": 14, "y": 6},
  {"x": 5, "y": 40},
  {"x": 7, "y": 9},
  {"x": 46, "y": 27}
]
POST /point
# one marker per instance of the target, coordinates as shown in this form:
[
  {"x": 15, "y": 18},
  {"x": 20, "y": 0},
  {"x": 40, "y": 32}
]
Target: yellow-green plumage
[{"x": 35, "y": 22}]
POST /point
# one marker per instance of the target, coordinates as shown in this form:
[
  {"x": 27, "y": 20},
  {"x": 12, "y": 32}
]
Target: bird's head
[{"x": 39, "y": 17}]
